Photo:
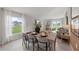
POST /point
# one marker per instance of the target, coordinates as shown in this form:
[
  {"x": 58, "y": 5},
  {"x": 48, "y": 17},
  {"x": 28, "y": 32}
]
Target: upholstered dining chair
[
  {"x": 32, "y": 40},
  {"x": 25, "y": 39},
  {"x": 43, "y": 43}
]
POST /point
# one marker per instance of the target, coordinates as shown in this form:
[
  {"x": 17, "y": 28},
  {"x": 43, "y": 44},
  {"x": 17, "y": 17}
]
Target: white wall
[
  {"x": 28, "y": 23},
  {"x": 2, "y": 25},
  {"x": 43, "y": 23}
]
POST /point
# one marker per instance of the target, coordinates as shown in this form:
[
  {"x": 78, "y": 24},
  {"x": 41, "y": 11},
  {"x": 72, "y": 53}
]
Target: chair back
[
  {"x": 42, "y": 39},
  {"x": 25, "y": 36},
  {"x": 32, "y": 37}
]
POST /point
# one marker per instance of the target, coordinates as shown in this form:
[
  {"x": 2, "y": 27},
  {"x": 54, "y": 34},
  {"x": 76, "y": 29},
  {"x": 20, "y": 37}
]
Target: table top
[{"x": 50, "y": 35}]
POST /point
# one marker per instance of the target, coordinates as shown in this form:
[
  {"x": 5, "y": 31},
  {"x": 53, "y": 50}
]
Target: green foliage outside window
[
  {"x": 16, "y": 25},
  {"x": 16, "y": 28}
]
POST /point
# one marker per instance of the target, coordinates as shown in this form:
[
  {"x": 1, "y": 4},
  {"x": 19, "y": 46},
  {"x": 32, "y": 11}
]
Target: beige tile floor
[
  {"x": 61, "y": 45},
  {"x": 13, "y": 46}
]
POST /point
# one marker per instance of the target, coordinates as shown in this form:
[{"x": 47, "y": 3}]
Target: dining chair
[
  {"x": 32, "y": 40},
  {"x": 25, "y": 39},
  {"x": 43, "y": 43}
]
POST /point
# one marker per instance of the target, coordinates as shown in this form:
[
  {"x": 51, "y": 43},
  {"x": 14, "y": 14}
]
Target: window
[
  {"x": 16, "y": 23},
  {"x": 55, "y": 24}
]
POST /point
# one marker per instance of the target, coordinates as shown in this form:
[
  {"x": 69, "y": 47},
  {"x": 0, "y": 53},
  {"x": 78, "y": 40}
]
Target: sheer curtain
[{"x": 8, "y": 21}]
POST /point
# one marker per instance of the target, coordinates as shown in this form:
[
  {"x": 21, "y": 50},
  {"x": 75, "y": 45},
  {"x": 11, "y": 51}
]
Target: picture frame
[
  {"x": 66, "y": 20},
  {"x": 75, "y": 25}
]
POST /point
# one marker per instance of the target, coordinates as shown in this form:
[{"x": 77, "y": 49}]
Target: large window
[
  {"x": 16, "y": 24},
  {"x": 55, "y": 24}
]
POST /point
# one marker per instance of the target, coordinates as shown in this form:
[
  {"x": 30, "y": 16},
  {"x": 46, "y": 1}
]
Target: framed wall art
[{"x": 75, "y": 25}]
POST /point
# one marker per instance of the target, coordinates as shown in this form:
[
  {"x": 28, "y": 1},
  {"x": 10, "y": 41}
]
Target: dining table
[{"x": 51, "y": 36}]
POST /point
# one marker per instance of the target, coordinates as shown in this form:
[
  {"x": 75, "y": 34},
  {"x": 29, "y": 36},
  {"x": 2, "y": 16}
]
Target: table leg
[
  {"x": 46, "y": 47},
  {"x": 49, "y": 46},
  {"x": 33, "y": 45},
  {"x": 55, "y": 44}
]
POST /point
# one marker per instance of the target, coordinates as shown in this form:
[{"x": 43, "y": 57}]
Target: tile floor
[{"x": 61, "y": 45}]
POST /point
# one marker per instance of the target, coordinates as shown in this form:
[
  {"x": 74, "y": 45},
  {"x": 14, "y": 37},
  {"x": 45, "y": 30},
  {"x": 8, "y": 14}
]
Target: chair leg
[
  {"x": 38, "y": 47},
  {"x": 49, "y": 47},
  {"x": 28, "y": 44},
  {"x": 33, "y": 46},
  {"x": 55, "y": 44},
  {"x": 46, "y": 47}
]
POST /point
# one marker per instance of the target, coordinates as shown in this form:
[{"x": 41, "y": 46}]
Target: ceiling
[{"x": 41, "y": 12}]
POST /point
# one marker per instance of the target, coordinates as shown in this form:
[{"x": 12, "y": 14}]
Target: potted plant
[{"x": 37, "y": 26}]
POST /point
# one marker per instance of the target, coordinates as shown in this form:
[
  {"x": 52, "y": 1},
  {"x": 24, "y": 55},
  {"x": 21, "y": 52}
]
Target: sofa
[{"x": 63, "y": 33}]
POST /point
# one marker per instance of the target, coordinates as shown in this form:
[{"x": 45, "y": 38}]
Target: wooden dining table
[{"x": 51, "y": 36}]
